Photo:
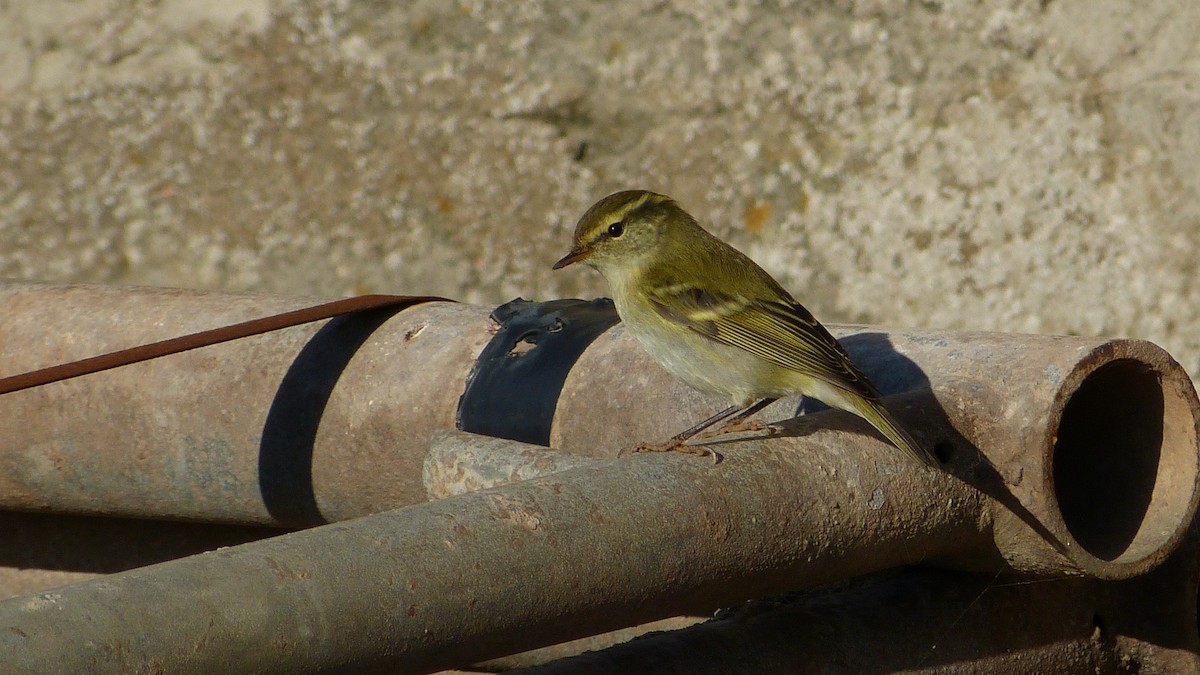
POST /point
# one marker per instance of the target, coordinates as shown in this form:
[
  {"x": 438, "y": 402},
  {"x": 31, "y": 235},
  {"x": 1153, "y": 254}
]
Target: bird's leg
[
  {"x": 740, "y": 422},
  {"x": 683, "y": 436},
  {"x": 676, "y": 442}
]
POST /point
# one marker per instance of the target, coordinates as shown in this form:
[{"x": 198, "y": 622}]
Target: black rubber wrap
[{"x": 512, "y": 391}]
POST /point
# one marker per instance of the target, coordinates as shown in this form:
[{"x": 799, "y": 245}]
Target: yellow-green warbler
[{"x": 715, "y": 319}]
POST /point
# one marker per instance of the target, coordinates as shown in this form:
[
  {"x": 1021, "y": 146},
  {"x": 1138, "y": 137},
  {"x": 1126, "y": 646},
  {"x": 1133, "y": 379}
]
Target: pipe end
[{"x": 1125, "y": 458}]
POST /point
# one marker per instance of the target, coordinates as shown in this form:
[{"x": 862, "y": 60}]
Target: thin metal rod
[{"x": 206, "y": 338}]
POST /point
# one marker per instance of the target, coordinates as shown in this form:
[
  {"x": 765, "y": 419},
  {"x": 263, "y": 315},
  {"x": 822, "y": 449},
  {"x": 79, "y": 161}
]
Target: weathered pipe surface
[
  {"x": 480, "y": 575},
  {"x": 916, "y": 621},
  {"x": 532, "y": 563},
  {"x": 552, "y": 653},
  {"x": 315, "y": 423},
  {"x": 936, "y": 621},
  {"x": 458, "y": 463},
  {"x": 913, "y": 621},
  {"x": 43, "y": 550},
  {"x": 1095, "y": 441}
]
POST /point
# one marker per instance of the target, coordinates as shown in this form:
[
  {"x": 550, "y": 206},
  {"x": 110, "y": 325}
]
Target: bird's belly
[{"x": 711, "y": 366}]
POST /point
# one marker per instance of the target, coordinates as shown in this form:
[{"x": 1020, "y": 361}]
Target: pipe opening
[{"x": 1123, "y": 463}]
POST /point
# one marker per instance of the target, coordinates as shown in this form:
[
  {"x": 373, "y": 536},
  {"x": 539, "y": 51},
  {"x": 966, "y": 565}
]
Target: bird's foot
[{"x": 673, "y": 445}]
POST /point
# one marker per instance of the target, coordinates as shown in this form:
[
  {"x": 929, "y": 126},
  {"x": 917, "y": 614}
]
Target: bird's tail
[{"x": 879, "y": 417}]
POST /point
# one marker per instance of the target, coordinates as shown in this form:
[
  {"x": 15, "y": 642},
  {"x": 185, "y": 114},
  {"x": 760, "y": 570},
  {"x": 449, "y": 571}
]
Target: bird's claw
[{"x": 673, "y": 446}]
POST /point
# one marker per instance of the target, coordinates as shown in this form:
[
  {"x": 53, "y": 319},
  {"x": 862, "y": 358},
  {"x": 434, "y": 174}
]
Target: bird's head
[{"x": 623, "y": 230}]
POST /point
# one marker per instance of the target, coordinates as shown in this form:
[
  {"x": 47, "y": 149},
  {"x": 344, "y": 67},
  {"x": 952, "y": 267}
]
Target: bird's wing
[{"x": 784, "y": 333}]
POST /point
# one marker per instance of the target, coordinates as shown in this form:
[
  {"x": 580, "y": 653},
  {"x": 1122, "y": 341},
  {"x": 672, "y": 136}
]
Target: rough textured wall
[{"x": 1012, "y": 165}]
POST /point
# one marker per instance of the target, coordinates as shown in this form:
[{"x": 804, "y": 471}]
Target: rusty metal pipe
[
  {"x": 483, "y": 574},
  {"x": 925, "y": 621},
  {"x": 1095, "y": 441},
  {"x": 920, "y": 620},
  {"x": 44, "y": 550},
  {"x": 458, "y": 463},
  {"x": 1091, "y": 443},
  {"x": 310, "y": 424},
  {"x": 916, "y": 620},
  {"x": 536, "y": 562}
]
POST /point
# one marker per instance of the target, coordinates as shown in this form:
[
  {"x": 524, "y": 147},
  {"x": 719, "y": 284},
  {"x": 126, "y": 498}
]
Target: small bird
[{"x": 716, "y": 320}]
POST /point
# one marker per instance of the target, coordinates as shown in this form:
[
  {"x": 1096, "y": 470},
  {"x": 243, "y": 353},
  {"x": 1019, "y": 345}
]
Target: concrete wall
[{"x": 1012, "y": 165}]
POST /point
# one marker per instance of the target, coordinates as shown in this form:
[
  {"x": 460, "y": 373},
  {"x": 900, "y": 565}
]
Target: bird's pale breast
[{"x": 703, "y": 363}]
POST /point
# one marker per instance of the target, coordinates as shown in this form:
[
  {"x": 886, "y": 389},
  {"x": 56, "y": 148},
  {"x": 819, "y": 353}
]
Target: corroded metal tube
[
  {"x": 458, "y": 463},
  {"x": 937, "y": 622},
  {"x": 310, "y": 424},
  {"x": 917, "y": 621},
  {"x": 537, "y": 562},
  {"x": 1093, "y": 442},
  {"x": 479, "y": 575},
  {"x": 1088, "y": 443}
]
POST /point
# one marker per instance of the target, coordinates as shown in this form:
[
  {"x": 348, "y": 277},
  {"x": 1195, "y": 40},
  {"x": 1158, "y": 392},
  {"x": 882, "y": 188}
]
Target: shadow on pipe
[
  {"x": 32, "y": 544},
  {"x": 1107, "y": 477},
  {"x": 285, "y": 460},
  {"x": 587, "y": 550},
  {"x": 1093, "y": 447},
  {"x": 248, "y": 432},
  {"x": 935, "y": 621},
  {"x": 896, "y": 375}
]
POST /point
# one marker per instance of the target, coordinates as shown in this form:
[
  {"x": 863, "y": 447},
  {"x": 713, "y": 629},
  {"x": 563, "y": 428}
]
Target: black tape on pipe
[{"x": 512, "y": 391}]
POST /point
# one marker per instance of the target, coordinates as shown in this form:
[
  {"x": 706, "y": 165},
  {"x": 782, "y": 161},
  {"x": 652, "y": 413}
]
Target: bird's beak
[{"x": 574, "y": 256}]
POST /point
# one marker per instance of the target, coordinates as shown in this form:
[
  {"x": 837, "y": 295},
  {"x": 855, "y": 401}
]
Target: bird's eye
[{"x": 616, "y": 229}]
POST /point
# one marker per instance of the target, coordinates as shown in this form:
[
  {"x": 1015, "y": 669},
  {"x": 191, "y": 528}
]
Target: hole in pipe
[
  {"x": 943, "y": 450},
  {"x": 1106, "y": 460}
]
